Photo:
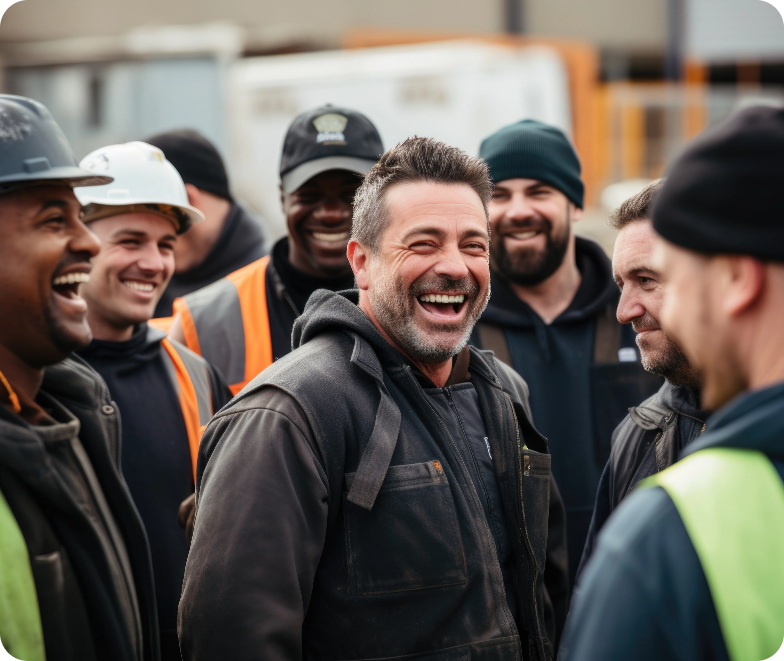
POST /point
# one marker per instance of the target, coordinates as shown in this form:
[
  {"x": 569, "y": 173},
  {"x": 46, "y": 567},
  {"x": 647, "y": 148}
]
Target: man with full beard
[
  {"x": 552, "y": 314},
  {"x": 380, "y": 492},
  {"x": 654, "y": 433}
]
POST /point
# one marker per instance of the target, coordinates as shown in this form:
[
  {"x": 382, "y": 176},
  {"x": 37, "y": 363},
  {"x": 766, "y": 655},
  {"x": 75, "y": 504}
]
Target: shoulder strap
[
  {"x": 20, "y": 620},
  {"x": 607, "y": 337},
  {"x": 191, "y": 382},
  {"x": 493, "y": 338},
  {"x": 731, "y": 502}
]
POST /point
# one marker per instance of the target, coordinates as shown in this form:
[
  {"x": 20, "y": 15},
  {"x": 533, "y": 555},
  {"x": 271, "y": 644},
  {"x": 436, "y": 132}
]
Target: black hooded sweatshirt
[
  {"x": 576, "y": 403},
  {"x": 239, "y": 243}
]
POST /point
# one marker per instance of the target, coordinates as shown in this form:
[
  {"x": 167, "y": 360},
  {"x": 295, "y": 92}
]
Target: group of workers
[{"x": 341, "y": 446}]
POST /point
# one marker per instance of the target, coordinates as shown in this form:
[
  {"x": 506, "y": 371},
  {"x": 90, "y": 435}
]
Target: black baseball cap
[{"x": 328, "y": 138}]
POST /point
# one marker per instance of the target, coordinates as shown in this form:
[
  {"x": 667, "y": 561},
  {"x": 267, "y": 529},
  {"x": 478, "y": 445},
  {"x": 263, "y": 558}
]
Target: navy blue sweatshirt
[{"x": 156, "y": 461}]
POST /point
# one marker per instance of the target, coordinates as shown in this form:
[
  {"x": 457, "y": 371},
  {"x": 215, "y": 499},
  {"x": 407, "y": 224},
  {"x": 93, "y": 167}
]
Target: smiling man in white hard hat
[{"x": 165, "y": 392}]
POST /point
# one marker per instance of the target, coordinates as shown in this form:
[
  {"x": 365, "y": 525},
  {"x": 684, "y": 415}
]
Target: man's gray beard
[
  {"x": 671, "y": 363},
  {"x": 393, "y": 308}
]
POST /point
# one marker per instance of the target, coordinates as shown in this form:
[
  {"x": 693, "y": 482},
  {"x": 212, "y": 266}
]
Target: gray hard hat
[{"x": 34, "y": 150}]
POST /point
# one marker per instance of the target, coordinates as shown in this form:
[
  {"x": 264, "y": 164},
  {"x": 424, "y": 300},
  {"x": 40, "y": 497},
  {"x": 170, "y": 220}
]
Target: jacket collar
[
  {"x": 656, "y": 411},
  {"x": 753, "y": 420}
]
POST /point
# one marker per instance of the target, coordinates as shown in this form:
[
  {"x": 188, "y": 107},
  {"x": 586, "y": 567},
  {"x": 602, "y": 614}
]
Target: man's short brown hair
[
  {"x": 414, "y": 159},
  {"x": 637, "y": 207}
]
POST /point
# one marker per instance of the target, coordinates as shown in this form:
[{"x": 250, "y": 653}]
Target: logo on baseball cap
[{"x": 328, "y": 138}]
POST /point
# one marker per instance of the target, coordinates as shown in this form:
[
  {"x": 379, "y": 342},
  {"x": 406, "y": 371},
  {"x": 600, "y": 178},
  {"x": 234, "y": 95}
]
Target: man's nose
[
  {"x": 629, "y": 307},
  {"x": 333, "y": 211},
  {"x": 451, "y": 264},
  {"x": 84, "y": 241},
  {"x": 150, "y": 260},
  {"x": 520, "y": 208}
]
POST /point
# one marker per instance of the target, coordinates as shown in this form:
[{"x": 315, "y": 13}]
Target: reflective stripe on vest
[
  {"x": 731, "y": 502},
  {"x": 191, "y": 382},
  {"x": 21, "y": 633},
  {"x": 228, "y": 323}
]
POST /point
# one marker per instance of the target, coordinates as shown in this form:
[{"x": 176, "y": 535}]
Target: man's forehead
[
  {"x": 634, "y": 247},
  {"x": 343, "y": 178},
  {"x": 137, "y": 223},
  {"x": 42, "y": 195}
]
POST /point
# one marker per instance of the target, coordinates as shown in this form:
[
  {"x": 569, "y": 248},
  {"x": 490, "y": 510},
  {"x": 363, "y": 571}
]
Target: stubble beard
[
  {"x": 528, "y": 268},
  {"x": 666, "y": 360},
  {"x": 394, "y": 308}
]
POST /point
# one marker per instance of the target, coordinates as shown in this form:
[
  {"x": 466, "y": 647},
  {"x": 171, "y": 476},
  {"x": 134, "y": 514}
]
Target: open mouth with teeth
[
  {"x": 331, "y": 237},
  {"x": 138, "y": 285},
  {"x": 68, "y": 285},
  {"x": 523, "y": 235},
  {"x": 442, "y": 304}
]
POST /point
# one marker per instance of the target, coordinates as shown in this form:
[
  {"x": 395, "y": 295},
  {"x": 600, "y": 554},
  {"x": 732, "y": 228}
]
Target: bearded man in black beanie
[
  {"x": 552, "y": 315},
  {"x": 227, "y": 240},
  {"x": 689, "y": 567}
]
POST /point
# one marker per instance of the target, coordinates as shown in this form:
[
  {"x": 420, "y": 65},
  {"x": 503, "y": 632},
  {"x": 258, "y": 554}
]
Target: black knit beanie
[
  {"x": 195, "y": 158},
  {"x": 723, "y": 194},
  {"x": 533, "y": 150}
]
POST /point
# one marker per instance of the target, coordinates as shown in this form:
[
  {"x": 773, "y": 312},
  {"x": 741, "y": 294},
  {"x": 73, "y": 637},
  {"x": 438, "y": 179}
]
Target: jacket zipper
[
  {"x": 475, "y": 496},
  {"x": 525, "y": 526}
]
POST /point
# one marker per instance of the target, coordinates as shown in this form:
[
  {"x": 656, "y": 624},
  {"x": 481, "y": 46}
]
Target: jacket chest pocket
[{"x": 410, "y": 539}]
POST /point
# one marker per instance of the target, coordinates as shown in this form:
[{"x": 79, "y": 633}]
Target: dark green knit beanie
[{"x": 533, "y": 150}]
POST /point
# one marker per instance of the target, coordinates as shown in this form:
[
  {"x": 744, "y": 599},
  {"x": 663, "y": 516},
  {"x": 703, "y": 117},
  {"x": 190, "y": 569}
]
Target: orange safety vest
[
  {"x": 228, "y": 324},
  {"x": 190, "y": 378}
]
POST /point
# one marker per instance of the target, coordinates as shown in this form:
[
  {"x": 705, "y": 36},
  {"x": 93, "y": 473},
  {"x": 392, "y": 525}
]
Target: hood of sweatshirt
[
  {"x": 328, "y": 311},
  {"x": 596, "y": 291}
]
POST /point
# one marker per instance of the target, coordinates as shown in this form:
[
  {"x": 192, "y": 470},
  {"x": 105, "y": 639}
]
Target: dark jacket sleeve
[{"x": 261, "y": 520}]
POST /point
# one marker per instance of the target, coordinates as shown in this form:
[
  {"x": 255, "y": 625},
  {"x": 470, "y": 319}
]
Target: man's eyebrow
[
  {"x": 538, "y": 185},
  {"x": 636, "y": 271},
  {"x": 475, "y": 232},
  {"x": 425, "y": 229},
  {"x": 127, "y": 232},
  {"x": 59, "y": 203}
]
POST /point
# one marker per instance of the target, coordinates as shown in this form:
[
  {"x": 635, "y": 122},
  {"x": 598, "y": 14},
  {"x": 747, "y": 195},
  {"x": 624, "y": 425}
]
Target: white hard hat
[{"x": 144, "y": 181}]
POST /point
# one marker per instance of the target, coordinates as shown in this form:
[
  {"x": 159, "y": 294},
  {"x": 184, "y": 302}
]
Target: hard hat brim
[
  {"x": 68, "y": 175},
  {"x": 191, "y": 214}
]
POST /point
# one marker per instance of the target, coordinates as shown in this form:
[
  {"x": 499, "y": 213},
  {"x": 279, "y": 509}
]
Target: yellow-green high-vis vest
[
  {"x": 731, "y": 502},
  {"x": 20, "y": 621}
]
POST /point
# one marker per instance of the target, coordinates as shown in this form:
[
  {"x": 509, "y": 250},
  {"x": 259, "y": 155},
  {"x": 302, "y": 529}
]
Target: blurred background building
[{"x": 629, "y": 80}]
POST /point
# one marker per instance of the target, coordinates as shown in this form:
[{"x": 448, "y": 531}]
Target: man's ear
[
  {"x": 194, "y": 195},
  {"x": 576, "y": 212},
  {"x": 742, "y": 280},
  {"x": 359, "y": 258},
  {"x": 283, "y": 198}
]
